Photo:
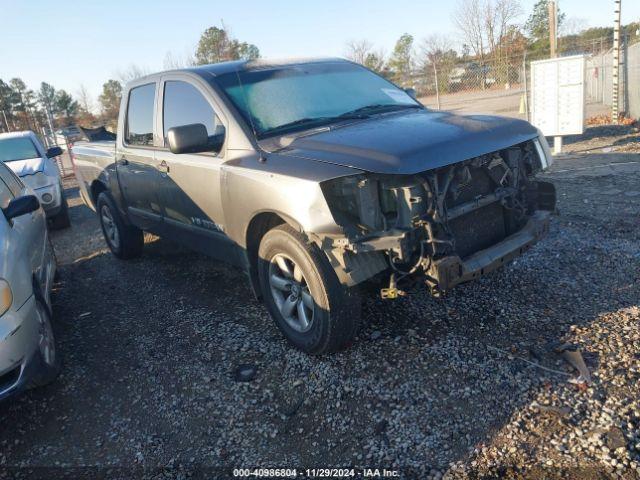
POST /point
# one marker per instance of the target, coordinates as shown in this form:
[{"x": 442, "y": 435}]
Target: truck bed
[{"x": 93, "y": 161}]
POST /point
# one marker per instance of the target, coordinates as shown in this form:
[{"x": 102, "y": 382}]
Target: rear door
[
  {"x": 136, "y": 163},
  {"x": 191, "y": 195}
]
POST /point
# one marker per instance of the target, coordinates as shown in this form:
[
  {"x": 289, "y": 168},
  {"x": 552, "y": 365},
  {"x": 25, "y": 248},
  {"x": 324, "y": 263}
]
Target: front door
[
  {"x": 136, "y": 164},
  {"x": 191, "y": 196},
  {"x": 26, "y": 236}
]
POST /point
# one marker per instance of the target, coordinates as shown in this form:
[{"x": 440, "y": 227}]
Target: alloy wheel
[
  {"x": 290, "y": 293},
  {"x": 110, "y": 227},
  {"x": 46, "y": 341}
]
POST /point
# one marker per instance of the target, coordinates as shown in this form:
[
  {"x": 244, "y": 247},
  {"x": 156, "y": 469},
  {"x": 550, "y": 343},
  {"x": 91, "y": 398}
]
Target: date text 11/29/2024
[{"x": 315, "y": 473}]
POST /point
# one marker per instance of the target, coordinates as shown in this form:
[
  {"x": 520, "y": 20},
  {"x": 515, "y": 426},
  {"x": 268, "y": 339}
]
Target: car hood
[
  {"x": 409, "y": 142},
  {"x": 26, "y": 167}
]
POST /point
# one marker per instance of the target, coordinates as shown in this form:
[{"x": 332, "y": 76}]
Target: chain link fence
[
  {"x": 64, "y": 161},
  {"x": 632, "y": 81},
  {"x": 599, "y": 79},
  {"x": 478, "y": 86},
  {"x": 502, "y": 87}
]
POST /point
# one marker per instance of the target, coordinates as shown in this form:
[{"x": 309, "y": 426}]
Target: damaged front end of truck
[{"x": 446, "y": 225}]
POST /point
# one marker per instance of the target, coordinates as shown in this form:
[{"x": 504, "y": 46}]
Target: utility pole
[
  {"x": 435, "y": 75},
  {"x": 49, "y": 115},
  {"x": 615, "y": 107},
  {"x": 526, "y": 87},
  {"x": 553, "y": 52},
  {"x": 553, "y": 28}
]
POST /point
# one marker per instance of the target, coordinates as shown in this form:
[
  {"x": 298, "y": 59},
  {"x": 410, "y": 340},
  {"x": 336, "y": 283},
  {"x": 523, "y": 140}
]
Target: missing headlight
[{"x": 376, "y": 202}]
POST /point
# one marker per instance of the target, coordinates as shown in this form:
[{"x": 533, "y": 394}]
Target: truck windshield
[
  {"x": 282, "y": 100},
  {"x": 17, "y": 148}
]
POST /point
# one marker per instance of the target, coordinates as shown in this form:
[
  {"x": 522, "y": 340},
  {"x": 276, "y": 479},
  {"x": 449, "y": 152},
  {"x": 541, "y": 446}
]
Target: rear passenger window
[
  {"x": 184, "y": 105},
  {"x": 140, "y": 115}
]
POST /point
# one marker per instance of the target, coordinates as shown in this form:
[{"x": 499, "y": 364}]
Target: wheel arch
[
  {"x": 39, "y": 294},
  {"x": 257, "y": 227},
  {"x": 97, "y": 187}
]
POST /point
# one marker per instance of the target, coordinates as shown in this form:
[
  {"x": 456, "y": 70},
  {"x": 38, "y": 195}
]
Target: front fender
[{"x": 281, "y": 185}]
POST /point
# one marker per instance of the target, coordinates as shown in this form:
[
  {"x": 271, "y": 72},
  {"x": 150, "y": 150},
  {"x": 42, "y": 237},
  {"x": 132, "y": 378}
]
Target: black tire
[
  {"x": 336, "y": 308},
  {"x": 61, "y": 220},
  {"x": 128, "y": 240},
  {"x": 50, "y": 361}
]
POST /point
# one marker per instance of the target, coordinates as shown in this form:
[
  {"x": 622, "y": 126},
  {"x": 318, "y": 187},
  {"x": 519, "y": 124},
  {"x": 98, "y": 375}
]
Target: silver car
[
  {"x": 27, "y": 267},
  {"x": 25, "y": 155}
]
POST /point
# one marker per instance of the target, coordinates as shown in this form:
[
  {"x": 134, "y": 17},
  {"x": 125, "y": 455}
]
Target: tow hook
[{"x": 392, "y": 292}]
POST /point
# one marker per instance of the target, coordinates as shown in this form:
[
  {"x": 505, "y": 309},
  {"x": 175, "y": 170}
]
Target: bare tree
[
  {"x": 357, "y": 50},
  {"x": 468, "y": 18},
  {"x": 436, "y": 58},
  {"x": 485, "y": 23},
  {"x": 363, "y": 52},
  {"x": 174, "y": 61},
  {"x": 573, "y": 26},
  {"x": 131, "y": 73},
  {"x": 84, "y": 98},
  {"x": 433, "y": 48},
  {"x": 499, "y": 16}
]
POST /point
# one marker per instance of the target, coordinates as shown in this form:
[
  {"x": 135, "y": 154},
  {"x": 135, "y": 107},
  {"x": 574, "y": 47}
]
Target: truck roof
[
  {"x": 245, "y": 65},
  {"x": 24, "y": 133},
  {"x": 260, "y": 64}
]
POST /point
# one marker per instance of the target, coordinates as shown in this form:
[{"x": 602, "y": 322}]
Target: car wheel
[
  {"x": 61, "y": 220},
  {"x": 124, "y": 241},
  {"x": 316, "y": 313},
  {"x": 50, "y": 361}
]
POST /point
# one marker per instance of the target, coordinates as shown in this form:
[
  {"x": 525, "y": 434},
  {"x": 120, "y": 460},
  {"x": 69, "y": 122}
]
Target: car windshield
[
  {"x": 287, "y": 99},
  {"x": 17, "y": 148}
]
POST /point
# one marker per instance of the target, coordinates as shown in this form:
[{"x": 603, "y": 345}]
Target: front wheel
[
  {"x": 315, "y": 312},
  {"x": 50, "y": 363},
  {"x": 124, "y": 241}
]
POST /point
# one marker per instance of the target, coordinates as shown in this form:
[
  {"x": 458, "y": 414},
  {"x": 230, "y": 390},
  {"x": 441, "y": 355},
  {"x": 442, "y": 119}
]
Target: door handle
[{"x": 163, "y": 167}]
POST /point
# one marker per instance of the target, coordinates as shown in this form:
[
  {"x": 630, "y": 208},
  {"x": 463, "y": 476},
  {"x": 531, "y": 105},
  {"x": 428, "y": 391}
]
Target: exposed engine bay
[{"x": 448, "y": 225}]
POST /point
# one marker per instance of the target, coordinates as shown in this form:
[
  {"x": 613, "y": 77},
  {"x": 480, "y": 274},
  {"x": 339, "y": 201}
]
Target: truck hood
[
  {"x": 26, "y": 167},
  {"x": 409, "y": 142}
]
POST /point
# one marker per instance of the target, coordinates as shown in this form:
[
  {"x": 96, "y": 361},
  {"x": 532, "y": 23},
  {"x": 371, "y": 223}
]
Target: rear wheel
[
  {"x": 315, "y": 312},
  {"x": 124, "y": 241},
  {"x": 49, "y": 358},
  {"x": 61, "y": 219}
]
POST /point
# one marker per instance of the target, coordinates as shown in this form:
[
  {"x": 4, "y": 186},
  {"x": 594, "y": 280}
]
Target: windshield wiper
[
  {"x": 357, "y": 114},
  {"x": 310, "y": 121},
  {"x": 379, "y": 107}
]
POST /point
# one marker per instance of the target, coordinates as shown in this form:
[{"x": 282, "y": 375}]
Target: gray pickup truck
[{"x": 314, "y": 177}]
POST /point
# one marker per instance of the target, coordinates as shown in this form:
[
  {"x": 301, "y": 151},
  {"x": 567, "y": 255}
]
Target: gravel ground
[{"x": 471, "y": 385}]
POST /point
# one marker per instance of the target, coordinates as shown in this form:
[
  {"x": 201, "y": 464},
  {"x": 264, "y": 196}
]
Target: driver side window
[
  {"x": 5, "y": 195},
  {"x": 185, "y": 105},
  {"x": 10, "y": 187}
]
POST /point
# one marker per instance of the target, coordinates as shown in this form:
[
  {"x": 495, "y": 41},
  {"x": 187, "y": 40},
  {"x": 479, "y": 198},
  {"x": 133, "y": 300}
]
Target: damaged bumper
[
  {"x": 445, "y": 226},
  {"x": 447, "y": 272}
]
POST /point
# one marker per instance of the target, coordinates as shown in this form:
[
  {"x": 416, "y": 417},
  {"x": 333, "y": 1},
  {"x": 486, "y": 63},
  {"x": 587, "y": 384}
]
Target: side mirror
[
  {"x": 21, "y": 206},
  {"x": 411, "y": 92},
  {"x": 193, "y": 139},
  {"x": 54, "y": 152}
]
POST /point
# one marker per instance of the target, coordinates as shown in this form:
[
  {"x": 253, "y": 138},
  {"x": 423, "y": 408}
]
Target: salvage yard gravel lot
[{"x": 448, "y": 387}]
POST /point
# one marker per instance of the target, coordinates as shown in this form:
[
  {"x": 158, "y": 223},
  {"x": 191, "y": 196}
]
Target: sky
[{"x": 72, "y": 43}]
